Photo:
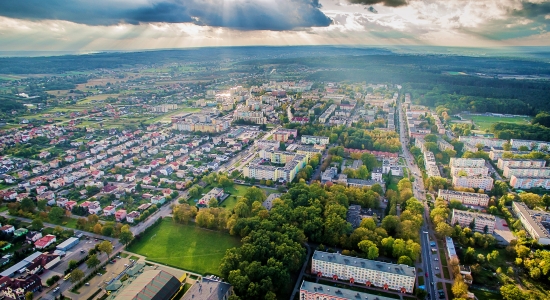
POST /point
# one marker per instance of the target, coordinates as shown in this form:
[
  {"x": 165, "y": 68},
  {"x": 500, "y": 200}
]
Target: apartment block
[
  {"x": 520, "y": 163},
  {"x": 325, "y": 116},
  {"x": 518, "y": 182},
  {"x": 358, "y": 270},
  {"x": 282, "y": 135},
  {"x": 316, "y": 291},
  {"x": 444, "y": 145},
  {"x": 484, "y": 223},
  {"x": 310, "y": 139},
  {"x": 467, "y": 162},
  {"x": 465, "y": 198},
  {"x": 486, "y": 142},
  {"x": 430, "y": 164},
  {"x": 485, "y": 183},
  {"x": 482, "y": 171},
  {"x": 293, "y": 163},
  {"x": 536, "y": 223},
  {"x": 497, "y": 153},
  {"x": 526, "y": 172},
  {"x": 532, "y": 145}
]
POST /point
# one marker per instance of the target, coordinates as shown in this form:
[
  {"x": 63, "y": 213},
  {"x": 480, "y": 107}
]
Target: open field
[
  {"x": 99, "y": 97},
  {"x": 185, "y": 246},
  {"x": 486, "y": 295},
  {"x": 484, "y": 122}
]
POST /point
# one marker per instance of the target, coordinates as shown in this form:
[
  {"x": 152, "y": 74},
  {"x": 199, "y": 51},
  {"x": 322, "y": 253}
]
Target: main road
[{"x": 418, "y": 192}]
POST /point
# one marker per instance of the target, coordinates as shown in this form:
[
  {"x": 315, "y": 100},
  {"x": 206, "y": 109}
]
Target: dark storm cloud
[
  {"x": 392, "y": 3},
  {"x": 533, "y": 10},
  {"x": 237, "y": 14}
]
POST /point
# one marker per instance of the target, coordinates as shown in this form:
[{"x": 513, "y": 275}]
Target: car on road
[
  {"x": 437, "y": 268},
  {"x": 436, "y": 259},
  {"x": 426, "y": 274},
  {"x": 82, "y": 251}
]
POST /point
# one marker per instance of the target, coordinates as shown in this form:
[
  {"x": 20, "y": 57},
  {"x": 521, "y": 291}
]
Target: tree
[
  {"x": 56, "y": 214},
  {"x": 97, "y": 228},
  {"x": 37, "y": 224},
  {"x": 443, "y": 229},
  {"x": 93, "y": 261},
  {"x": 405, "y": 260},
  {"x": 73, "y": 264},
  {"x": 106, "y": 247},
  {"x": 29, "y": 295},
  {"x": 460, "y": 289},
  {"x": 126, "y": 235},
  {"x": 41, "y": 204},
  {"x": 530, "y": 199},
  {"x": 546, "y": 201},
  {"x": 511, "y": 292},
  {"x": 27, "y": 205},
  {"x": 507, "y": 146},
  {"x": 76, "y": 275}
]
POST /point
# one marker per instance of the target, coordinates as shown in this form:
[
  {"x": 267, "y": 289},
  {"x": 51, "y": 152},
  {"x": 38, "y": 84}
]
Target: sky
[{"x": 83, "y": 25}]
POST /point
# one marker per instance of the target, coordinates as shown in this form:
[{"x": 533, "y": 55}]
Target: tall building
[
  {"x": 467, "y": 162},
  {"x": 484, "y": 223},
  {"x": 526, "y": 172},
  {"x": 485, "y": 183},
  {"x": 465, "y": 197},
  {"x": 536, "y": 223},
  {"x": 520, "y": 163},
  {"x": 364, "y": 271},
  {"x": 316, "y": 291},
  {"x": 310, "y": 139}
]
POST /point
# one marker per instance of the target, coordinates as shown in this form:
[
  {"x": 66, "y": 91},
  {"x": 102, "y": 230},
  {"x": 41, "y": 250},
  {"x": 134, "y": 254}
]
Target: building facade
[
  {"x": 485, "y": 183},
  {"x": 465, "y": 197},
  {"x": 310, "y": 139},
  {"x": 536, "y": 223},
  {"x": 364, "y": 271},
  {"x": 483, "y": 223}
]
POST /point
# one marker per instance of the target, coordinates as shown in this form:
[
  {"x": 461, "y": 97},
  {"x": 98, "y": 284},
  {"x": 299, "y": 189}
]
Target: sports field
[
  {"x": 185, "y": 246},
  {"x": 484, "y": 122}
]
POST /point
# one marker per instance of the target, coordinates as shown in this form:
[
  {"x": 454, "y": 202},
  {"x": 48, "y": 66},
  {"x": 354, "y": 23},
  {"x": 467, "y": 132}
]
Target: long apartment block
[
  {"x": 525, "y": 172},
  {"x": 518, "y": 182},
  {"x": 369, "y": 272},
  {"x": 536, "y": 223},
  {"x": 465, "y": 197},
  {"x": 467, "y": 162},
  {"x": 520, "y": 163},
  {"x": 484, "y": 223}
]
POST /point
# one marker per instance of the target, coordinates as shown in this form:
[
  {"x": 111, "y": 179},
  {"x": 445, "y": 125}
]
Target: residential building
[
  {"x": 314, "y": 291},
  {"x": 520, "y": 163},
  {"x": 526, "y": 172},
  {"x": 215, "y": 193},
  {"x": 431, "y": 166},
  {"x": 45, "y": 241},
  {"x": 451, "y": 250},
  {"x": 531, "y": 145},
  {"x": 364, "y": 271},
  {"x": 467, "y": 162},
  {"x": 209, "y": 289},
  {"x": 120, "y": 215},
  {"x": 518, "y": 182},
  {"x": 329, "y": 174},
  {"x": 465, "y": 198},
  {"x": 536, "y": 223},
  {"x": 444, "y": 145},
  {"x": 486, "y": 142},
  {"x": 132, "y": 216},
  {"x": 483, "y": 223},
  {"x": 17, "y": 288},
  {"x": 482, "y": 182},
  {"x": 309, "y": 139},
  {"x": 283, "y": 135}
]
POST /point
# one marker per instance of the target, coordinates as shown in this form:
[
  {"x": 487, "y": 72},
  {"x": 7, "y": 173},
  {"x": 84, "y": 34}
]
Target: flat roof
[
  {"x": 312, "y": 287},
  {"x": 528, "y": 215},
  {"x": 364, "y": 263},
  {"x": 207, "y": 289}
]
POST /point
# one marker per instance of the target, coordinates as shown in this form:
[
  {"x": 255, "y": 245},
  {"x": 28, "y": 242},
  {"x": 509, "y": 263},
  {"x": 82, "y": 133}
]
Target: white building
[
  {"x": 483, "y": 223},
  {"x": 529, "y": 182},
  {"x": 536, "y": 223},
  {"x": 310, "y": 139},
  {"x": 465, "y": 197},
  {"x": 485, "y": 183},
  {"x": 364, "y": 271}
]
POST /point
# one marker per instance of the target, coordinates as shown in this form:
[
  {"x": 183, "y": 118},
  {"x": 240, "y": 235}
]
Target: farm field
[{"x": 185, "y": 246}]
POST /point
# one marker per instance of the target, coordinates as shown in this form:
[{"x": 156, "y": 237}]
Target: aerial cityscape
[{"x": 179, "y": 150}]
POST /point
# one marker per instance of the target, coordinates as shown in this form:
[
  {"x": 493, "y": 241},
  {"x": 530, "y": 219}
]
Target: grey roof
[
  {"x": 151, "y": 285},
  {"x": 67, "y": 243},
  {"x": 20, "y": 265},
  {"x": 269, "y": 201},
  {"x": 207, "y": 289},
  {"x": 364, "y": 263},
  {"x": 331, "y": 291}
]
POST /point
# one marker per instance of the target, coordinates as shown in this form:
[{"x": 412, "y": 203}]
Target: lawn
[
  {"x": 484, "y": 122},
  {"x": 486, "y": 295},
  {"x": 185, "y": 246}
]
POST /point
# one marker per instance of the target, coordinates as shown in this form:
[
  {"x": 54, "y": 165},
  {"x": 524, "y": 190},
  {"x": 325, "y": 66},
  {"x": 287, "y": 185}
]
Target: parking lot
[
  {"x": 74, "y": 254},
  {"x": 502, "y": 232}
]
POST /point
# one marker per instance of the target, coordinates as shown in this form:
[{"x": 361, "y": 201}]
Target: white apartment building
[
  {"x": 325, "y": 116},
  {"x": 316, "y": 291},
  {"x": 520, "y": 163},
  {"x": 518, "y": 182},
  {"x": 485, "y": 183},
  {"x": 536, "y": 223},
  {"x": 364, "y": 271},
  {"x": 526, "y": 172},
  {"x": 465, "y": 198},
  {"x": 430, "y": 164},
  {"x": 483, "y": 171},
  {"x": 484, "y": 223},
  {"x": 532, "y": 145},
  {"x": 444, "y": 145},
  {"x": 467, "y": 162},
  {"x": 310, "y": 139},
  {"x": 486, "y": 142}
]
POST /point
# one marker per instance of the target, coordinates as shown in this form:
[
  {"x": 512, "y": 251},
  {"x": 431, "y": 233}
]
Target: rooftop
[
  {"x": 328, "y": 290},
  {"x": 364, "y": 263}
]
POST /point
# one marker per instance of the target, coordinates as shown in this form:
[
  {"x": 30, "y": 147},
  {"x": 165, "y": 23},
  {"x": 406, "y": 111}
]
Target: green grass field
[
  {"x": 486, "y": 295},
  {"x": 484, "y": 122},
  {"x": 185, "y": 246}
]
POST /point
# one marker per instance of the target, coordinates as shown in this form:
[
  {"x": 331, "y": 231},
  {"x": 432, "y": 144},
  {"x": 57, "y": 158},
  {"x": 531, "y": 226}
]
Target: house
[
  {"x": 61, "y": 202},
  {"x": 7, "y": 229},
  {"x": 94, "y": 208},
  {"x": 166, "y": 192},
  {"x": 120, "y": 215},
  {"x": 108, "y": 189},
  {"x": 131, "y": 216},
  {"x": 97, "y": 174},
  {"x": 33, "y": 236},
  {"x": 55, "y": 163},
  {"x": 22, "y": 196},
  {"x": 158, "y": 200},
  {"x": 49, "y": 195},
  {"x": 57, "y": 183},
  {"x": 20, "y": 232},
  {"x": 16, "y": 288},
  {"x": 147, "y": 180},
  {"x": 144, "y": 169},
  {"x": 41, "y": 189},
  {"x": 119, "y": 177},
  {"x": 144, "y": 206},
  {"x": 45, "y": 241},
  {"x": 109, "y": 210},
  {"x": 69, "y": 205},
  {"x": 130, "y": 177}
]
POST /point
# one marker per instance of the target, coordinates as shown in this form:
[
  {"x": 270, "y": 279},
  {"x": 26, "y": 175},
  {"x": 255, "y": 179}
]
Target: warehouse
[
  {"x": 152, "y": 285},
  {"x": 68, "y": 244}
]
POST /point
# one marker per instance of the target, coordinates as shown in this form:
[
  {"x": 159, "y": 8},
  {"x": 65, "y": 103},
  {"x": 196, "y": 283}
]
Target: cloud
[
  {"x": 237, "y": 14},
  {"x": 392, "y": 3},
  {"x": 533, "y": 10}
]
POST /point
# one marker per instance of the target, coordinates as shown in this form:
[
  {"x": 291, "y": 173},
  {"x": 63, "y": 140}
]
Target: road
[{"x": 418, "y": 192}]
